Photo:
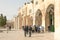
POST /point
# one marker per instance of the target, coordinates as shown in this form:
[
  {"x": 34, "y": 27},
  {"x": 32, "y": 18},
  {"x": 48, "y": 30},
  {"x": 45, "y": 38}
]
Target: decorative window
[
  {"x": 32, "y": 1},
  {"x": 43, "y": 0},
  {"x": 24, "y": 3},
  {"x": 38, "y": 12},
  {"x": 30, "y": 11},
  {"x": 36, "y": 2}
]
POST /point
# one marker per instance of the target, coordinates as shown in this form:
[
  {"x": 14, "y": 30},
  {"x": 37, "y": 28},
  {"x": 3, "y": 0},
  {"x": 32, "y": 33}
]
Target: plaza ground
[{"x": 19, "y": 35}]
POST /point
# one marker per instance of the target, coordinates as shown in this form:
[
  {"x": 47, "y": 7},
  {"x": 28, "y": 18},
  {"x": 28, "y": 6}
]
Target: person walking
[
  {"x": 29, "y": 30},
  {"x": 33, "y": 29},
  {"x": 25, "y": 30},
  {"x": 48, "y": 28},
  {"x": 41, "y": 28},
  {"x": 7, "y": 28},
  {"x": 10, "y": 28}
]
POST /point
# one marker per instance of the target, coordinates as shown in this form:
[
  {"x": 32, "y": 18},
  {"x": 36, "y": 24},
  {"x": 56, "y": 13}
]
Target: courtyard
[{"x": 19, "y": 35}]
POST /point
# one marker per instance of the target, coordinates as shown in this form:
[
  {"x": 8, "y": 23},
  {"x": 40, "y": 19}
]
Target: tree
[{"x": 2, "y": 20}]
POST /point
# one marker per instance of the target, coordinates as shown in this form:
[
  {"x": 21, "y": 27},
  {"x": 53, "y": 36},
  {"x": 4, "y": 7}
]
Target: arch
[
  {"x": 38, "y": 17},
  {"x": 49, "y": 18}
]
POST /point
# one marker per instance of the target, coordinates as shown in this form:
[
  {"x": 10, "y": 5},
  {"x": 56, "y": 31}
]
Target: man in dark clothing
[
  {"x": 49, "y": 28},
  {"x": 29, "y": 30},
  {"x": 35, "y": 28},
  {"x": 25, "y": 30},
  {"x": 23, "y": 27},
  {"x": 10, "y": 28}
]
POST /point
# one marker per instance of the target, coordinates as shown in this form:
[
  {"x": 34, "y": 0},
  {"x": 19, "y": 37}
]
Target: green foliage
[
  {"x": 52, "y": 29},
  {"x": 2, "y": 20}
]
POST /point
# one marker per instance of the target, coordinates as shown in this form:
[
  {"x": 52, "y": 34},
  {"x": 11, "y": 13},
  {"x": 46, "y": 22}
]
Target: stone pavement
[{"x": 19, "y": 35}]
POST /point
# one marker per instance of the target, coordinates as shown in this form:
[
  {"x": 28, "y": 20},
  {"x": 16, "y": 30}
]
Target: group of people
[
  {"x": 27, "y": 30},
  {"x": 37, "y": 28},
  {"x": 31, "y": 29}
]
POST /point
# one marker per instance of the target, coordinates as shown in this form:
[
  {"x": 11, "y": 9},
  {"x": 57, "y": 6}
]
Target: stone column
[
  {"x": 43, "y": 16},
  {"x": 34, "y": 19},
  {"x": 26, "y": 20},
  {"x": 22, "y": 21},
  {"x": 33, "y": 7},
  {"x": 14, "y": 22},
  {"x": 57, "y": 20},
  {"x": 18, "y": 23},
  {"x": 43, "y": 21}
]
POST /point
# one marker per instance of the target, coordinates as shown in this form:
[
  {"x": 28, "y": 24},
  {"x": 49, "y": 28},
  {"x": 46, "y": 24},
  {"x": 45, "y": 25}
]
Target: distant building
[{"x": 10, "y": 23}]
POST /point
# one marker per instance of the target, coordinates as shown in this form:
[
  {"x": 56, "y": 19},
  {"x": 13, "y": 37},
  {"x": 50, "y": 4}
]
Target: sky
[{"x": 10, "y": 8}]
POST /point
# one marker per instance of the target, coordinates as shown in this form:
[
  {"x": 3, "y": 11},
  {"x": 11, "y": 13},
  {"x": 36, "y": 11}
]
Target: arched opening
[
  {"x": 49, "y": 18},
  {"x": 38, "y": 17}
]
